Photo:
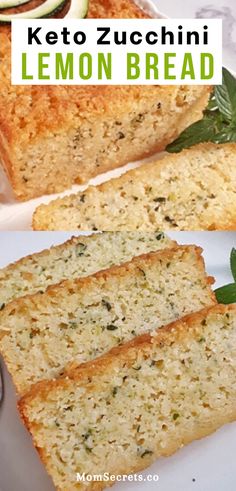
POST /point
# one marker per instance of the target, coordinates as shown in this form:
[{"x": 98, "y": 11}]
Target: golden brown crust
[
  {"x": 27, "y": 105},
  {"x": 24, "y": 107},
  {"x": 117, "y": 270}
]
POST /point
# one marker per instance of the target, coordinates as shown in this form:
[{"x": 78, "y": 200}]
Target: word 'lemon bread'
[
  {"x": 192, "y": 190},
  {"x": 142, "y": 401},
  {"x": 81, "y": 319},
  {"x": 54, "y": 136},
  {"x": 80, "y": 256}
]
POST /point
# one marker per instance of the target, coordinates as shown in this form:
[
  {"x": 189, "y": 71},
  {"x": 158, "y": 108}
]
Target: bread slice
[
  {"x": 78, "y": 257},
  {"x": 192, "y": 190},
  {"x": 81, "y": 319},
  {"x": 54, "y": 136},
  {"x": 141, "y": 401}
]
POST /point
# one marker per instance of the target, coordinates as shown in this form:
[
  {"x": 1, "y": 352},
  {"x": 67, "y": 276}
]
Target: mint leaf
[
  {"x": 196, "y": 133},
  {"x": 226, "y": 294},
  {"x": 225, "y": 96},
  {"x": 233, "y": 263},
  {"x": 218, "y": 124},
  {"x": 225, "y": 136},
  {"x": 212, "y": 104}
]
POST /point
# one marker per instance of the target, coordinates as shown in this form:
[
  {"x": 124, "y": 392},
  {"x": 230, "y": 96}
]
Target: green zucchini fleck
[
  {"x": 107, "y": 305},
  {"x": 202, "y": 340},
  {"x": 111, "y": 327},
  {"x": 86, "y": 435},
  {"x": 159, "y": 200},
  {"x": 73, "y": 325},
  {"x": 145, "y": 452},
  {"x": 114, "y": 391},
  {"x": 80, "y": 249}
]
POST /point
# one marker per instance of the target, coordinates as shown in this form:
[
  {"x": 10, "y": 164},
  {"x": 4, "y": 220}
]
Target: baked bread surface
[
  {"x": 192, "y": 190},
  {"x": 141, "y": 401},
  {"x": 78, "y": 257},
  {"x": 80, "y": 319}
]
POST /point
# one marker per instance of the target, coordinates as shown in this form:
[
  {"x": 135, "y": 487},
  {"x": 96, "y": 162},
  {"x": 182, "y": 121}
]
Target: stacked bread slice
[
  {"x": 78, "y": 257},
  {"x": 111, "y": 372},
  {"x": 141, "y": 401},
  {"x": 80, "y": 319}
]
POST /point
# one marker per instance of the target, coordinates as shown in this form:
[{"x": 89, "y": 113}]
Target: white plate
[{"x": 211, "y": 461}]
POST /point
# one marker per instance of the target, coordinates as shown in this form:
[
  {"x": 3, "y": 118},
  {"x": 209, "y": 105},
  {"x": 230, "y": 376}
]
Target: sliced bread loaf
[
  {"x": 192, "y": 190},
  {"x": 69, "y": 134},
  {"x": 81, "y": 319},
  {"x": 80, "y": 256},
  {"x": 141, "y": 401}
]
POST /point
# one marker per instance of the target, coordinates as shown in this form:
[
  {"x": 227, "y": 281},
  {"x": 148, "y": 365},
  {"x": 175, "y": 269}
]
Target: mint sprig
[
  {"x": 218, "y": 124},
  {"x": 225, "y": 96},
  {"x": 233, "y": 263},
  {"x": 227, "y": 294}
]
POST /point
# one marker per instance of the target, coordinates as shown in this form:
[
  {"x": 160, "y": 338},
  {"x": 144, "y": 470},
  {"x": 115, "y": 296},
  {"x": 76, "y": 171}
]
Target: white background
[{"x": 221, "y": 9}]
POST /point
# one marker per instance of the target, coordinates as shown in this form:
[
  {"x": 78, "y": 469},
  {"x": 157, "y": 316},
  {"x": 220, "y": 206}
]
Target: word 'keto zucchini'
[{"x": 78, "y": 9}]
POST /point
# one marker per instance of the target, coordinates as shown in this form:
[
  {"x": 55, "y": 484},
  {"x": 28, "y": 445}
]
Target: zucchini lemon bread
[
  {"x": 54, "y": 136},
  {"x": 80, "y": 256},
  {"x": 81, "y": 319},
  {"x": 142, "y": 401},
  {"x": 192, "y": 190}
]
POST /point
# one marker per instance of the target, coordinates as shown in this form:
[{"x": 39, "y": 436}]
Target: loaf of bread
[
  {"x": 78, "y": 257},
  {"x": 192, "y": 190},
  {"x": 141, "y": 401},
  {"x": 54, "y": 136},
  {"x": 79, "y": 320}
]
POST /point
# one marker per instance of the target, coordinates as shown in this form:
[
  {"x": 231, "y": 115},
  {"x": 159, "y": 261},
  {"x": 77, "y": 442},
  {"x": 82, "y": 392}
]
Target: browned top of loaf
[
  {"x": 25, "y": 107},
  {"x": 126, "y": 354},
  {"x": 41, "y": 110}
]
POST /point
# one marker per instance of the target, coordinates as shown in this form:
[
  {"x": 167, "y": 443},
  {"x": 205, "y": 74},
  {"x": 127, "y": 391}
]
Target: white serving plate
[{"x": 205, "y": 465}]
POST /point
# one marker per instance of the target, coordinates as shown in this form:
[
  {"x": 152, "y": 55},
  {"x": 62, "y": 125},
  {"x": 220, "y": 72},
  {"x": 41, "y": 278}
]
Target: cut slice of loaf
[
  {"x": 141, "y": 401},
  {"x": 192, "y": 190},
  {"x": 81, "y": 319},
  {"x": 80, "y": 256}
]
